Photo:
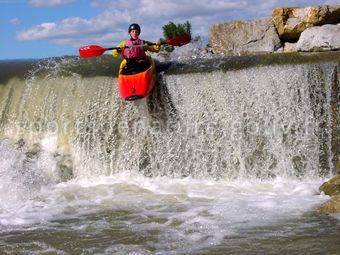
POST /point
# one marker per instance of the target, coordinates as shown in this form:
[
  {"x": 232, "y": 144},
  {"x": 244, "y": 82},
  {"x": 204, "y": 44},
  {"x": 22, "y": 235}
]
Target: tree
[{"x": 171, "y": 30}]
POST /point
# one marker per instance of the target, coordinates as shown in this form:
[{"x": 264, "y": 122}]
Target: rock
[
  {"x": 331, "y": 206},
  {"x": 244, "y": 37},
  {"x": 324, "y": 38},
  {"x": 20, "y": 143},
  {"x": 64, "y": 166},
  {"x": 290, "y": 22},
  {"x": 280, "y": 50},
  {"x": 289, "y": 47},
  {"x": 33, "y": 151},
  {"x": 331, "y": 187}
]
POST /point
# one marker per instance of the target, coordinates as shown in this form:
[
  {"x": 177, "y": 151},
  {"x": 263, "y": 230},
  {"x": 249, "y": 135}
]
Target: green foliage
[{"x": 171, "y": 30}]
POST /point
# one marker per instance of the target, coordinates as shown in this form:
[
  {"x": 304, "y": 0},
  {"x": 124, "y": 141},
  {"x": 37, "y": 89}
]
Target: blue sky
[{"x": 46, "y": 28}]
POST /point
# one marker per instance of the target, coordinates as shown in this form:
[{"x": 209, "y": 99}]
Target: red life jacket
[{"x": 134, "y": 52}]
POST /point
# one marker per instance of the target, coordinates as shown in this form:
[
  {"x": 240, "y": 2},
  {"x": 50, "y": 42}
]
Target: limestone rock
[
  {"x": 290, "y": 22},
  {"x": 244, "y": 37},
  {"x": 289, "y": 47},
  {"x": 331, "y": 206},
  {"x": 324, "y": 38},
  {"x": 331, "y": 187}
]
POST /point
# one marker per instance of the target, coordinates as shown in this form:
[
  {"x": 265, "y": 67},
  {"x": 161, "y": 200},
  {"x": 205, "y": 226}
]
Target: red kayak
[{"x": 137, "y": 81}]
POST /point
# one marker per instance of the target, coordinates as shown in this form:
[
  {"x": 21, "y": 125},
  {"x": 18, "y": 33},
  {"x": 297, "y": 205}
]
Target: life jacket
[{"x": 134, "y": 52}]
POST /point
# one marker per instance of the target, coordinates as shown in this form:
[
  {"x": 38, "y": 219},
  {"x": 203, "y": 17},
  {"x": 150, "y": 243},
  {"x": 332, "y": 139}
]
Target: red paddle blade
[
  {"x": 179, "y": 40},
  {"x": 91, "y": 51}
]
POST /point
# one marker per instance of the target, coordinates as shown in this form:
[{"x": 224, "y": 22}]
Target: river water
[{"x": 218, "y": 162}]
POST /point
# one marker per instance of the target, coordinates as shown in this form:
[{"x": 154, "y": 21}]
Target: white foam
[
  {"x": 225, "y": 201},
  {"x": 49, "y": 143}
]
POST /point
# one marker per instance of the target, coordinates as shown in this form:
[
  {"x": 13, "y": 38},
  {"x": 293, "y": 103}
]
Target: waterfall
[{"x": 256, "y": 122}]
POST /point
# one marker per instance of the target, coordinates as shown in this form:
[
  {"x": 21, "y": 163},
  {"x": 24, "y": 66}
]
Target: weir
[{"x": 254, "y": 117}]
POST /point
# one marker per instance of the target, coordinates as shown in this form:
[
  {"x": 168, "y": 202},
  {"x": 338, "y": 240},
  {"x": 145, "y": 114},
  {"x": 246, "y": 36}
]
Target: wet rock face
[
  {"x": 290, "y": 22},
  {"x": 243, "y": 37},
  {"x": 331, "y": 187},
  {"x": 331, "y": 206}
]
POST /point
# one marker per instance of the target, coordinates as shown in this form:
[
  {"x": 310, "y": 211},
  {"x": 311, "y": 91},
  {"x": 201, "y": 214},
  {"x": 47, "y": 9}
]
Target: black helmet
[{"x": 134, "y": 26}]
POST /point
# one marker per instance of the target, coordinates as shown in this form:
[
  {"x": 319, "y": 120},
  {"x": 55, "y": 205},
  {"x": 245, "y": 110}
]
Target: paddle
[{"x": 95, "y": 50}]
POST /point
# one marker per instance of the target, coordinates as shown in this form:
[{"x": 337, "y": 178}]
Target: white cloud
[
  {"x": 42, "y": 3},
  {"x": 70, "y": 31},
  {"x": 14, "y": 21}
]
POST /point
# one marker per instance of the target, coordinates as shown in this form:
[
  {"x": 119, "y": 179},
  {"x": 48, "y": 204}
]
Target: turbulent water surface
[{"x": 225, "y": 157}]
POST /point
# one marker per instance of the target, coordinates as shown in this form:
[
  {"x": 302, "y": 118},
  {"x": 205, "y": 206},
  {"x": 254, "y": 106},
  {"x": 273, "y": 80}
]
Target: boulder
[
  {"x": 290, "y": 22},
  {"x": 324, "y": 38},
  {"x": 244, "y": 37},
  {"x": 331, "y": 187},
  {"x": 289, "y": 47},
  {"x": 331, "y": 206}
]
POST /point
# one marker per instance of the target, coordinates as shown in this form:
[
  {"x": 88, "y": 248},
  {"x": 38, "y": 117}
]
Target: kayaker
[{"x": 135, "y": 55}]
